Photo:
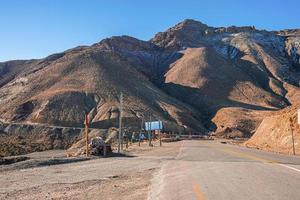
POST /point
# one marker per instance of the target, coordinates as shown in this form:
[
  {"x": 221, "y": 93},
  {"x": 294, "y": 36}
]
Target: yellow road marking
[
  {"x": 253, "y": 157},
  {"x": 198, "y": 192},
  {"x": 249, "y": 156}
]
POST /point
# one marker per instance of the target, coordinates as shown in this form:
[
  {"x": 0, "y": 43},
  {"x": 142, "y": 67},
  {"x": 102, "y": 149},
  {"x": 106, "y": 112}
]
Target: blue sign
[{"x": 155, "y": 125}]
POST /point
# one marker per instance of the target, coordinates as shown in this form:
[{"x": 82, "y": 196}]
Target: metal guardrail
[{"x": 187, "y": 137}]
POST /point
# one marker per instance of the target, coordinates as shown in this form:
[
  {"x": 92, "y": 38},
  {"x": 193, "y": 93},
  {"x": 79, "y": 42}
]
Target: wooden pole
[
  {"x": 160, "y": 144},
  {"x": 126, "y": 139},
  {"x": 293, "y": 140},
  {"x": 86, "y": 123}
]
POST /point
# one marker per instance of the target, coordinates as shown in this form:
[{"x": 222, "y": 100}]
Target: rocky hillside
[
  {"x": 275, "y": 132},
  {"x": 59, "y": 89},
  {"x": 192, "y": 75},
  {"x": 18, "y": 139}
]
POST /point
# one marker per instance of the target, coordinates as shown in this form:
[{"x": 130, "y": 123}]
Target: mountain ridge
[{"x": 233, "y": 67}]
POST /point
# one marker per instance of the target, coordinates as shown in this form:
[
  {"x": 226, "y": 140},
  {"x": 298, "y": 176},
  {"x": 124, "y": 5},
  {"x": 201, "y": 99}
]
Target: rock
[{"x": 97, "y": 146}]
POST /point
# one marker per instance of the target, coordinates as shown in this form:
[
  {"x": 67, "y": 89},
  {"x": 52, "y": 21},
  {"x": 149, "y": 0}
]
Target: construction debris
[{"x": 98, "y": 147}]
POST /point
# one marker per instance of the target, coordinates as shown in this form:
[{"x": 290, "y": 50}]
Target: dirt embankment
[
  {"x": 17, "y": 139},
  {"x": 238, "y": 122},
  {"x": 275, "y": 132}
]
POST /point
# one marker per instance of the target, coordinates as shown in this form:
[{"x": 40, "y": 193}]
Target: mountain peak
[
  {"x": 190, "y": 23},
  {"x": 189, "y": 32}
]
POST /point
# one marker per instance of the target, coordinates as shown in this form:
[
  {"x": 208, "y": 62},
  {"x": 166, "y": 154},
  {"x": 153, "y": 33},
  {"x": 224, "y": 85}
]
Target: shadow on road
[{"x": 114, "y": 154}]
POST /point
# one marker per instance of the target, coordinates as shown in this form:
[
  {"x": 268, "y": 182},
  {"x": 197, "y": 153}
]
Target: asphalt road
[
  {"x": 185, "y": 170},
  {"x": 215, "y": 171}
]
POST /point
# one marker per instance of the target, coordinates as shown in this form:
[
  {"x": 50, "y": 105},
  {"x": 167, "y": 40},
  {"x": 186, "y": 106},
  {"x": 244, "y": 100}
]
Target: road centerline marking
[
  {"x": 253, "y": 157},
  {"x": 198, "y": 192},
  {"x": 247, "y": 155}
]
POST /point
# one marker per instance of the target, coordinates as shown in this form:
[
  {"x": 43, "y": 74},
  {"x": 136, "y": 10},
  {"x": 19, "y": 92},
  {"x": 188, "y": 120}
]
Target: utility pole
[
  {"x": 150, "y": 131},
  {"x": 120, "y": 140},
  {"x": 293, "y": 140}
]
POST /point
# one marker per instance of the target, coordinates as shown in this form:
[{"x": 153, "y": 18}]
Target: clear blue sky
[{"x": 37, "y": 28}]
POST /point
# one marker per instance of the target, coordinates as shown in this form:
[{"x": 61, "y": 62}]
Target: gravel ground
[
  {"x": 120, "y": 177},
  {"x": 114, "y": 187}
]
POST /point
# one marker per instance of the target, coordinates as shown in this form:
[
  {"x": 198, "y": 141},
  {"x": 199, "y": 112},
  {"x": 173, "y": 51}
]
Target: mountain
[
  {"x": 191, "y": 75},
  {"x": 59, "y": 89},
  {"x": 233, "y": 67}
]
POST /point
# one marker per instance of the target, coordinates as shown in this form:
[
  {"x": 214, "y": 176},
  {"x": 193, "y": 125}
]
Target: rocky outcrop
[{"x": 188, "y": 33}]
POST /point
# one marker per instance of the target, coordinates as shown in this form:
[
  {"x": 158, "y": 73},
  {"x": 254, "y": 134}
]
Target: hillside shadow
[
  {"x": 222, "y": 78},
  {"x": 205, "y": 105}
]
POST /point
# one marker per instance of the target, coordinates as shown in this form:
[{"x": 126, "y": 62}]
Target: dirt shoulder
[
  {"x": 131, "y": 186},
  {"x": 125, "y": 177}
]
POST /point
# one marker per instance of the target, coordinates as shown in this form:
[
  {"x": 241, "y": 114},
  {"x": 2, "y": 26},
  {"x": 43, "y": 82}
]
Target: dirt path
[{"x": 104, "y": 178}]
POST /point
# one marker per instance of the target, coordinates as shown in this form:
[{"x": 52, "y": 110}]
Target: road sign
[
  {"x": 298, "y": 116},
  {"x": 155, "y": 125}
]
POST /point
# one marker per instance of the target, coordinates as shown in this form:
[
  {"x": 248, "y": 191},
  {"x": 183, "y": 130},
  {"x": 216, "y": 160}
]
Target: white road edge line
[
  {"x": 298, "y": 170},
  {"x": 180, "y": 151}
]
